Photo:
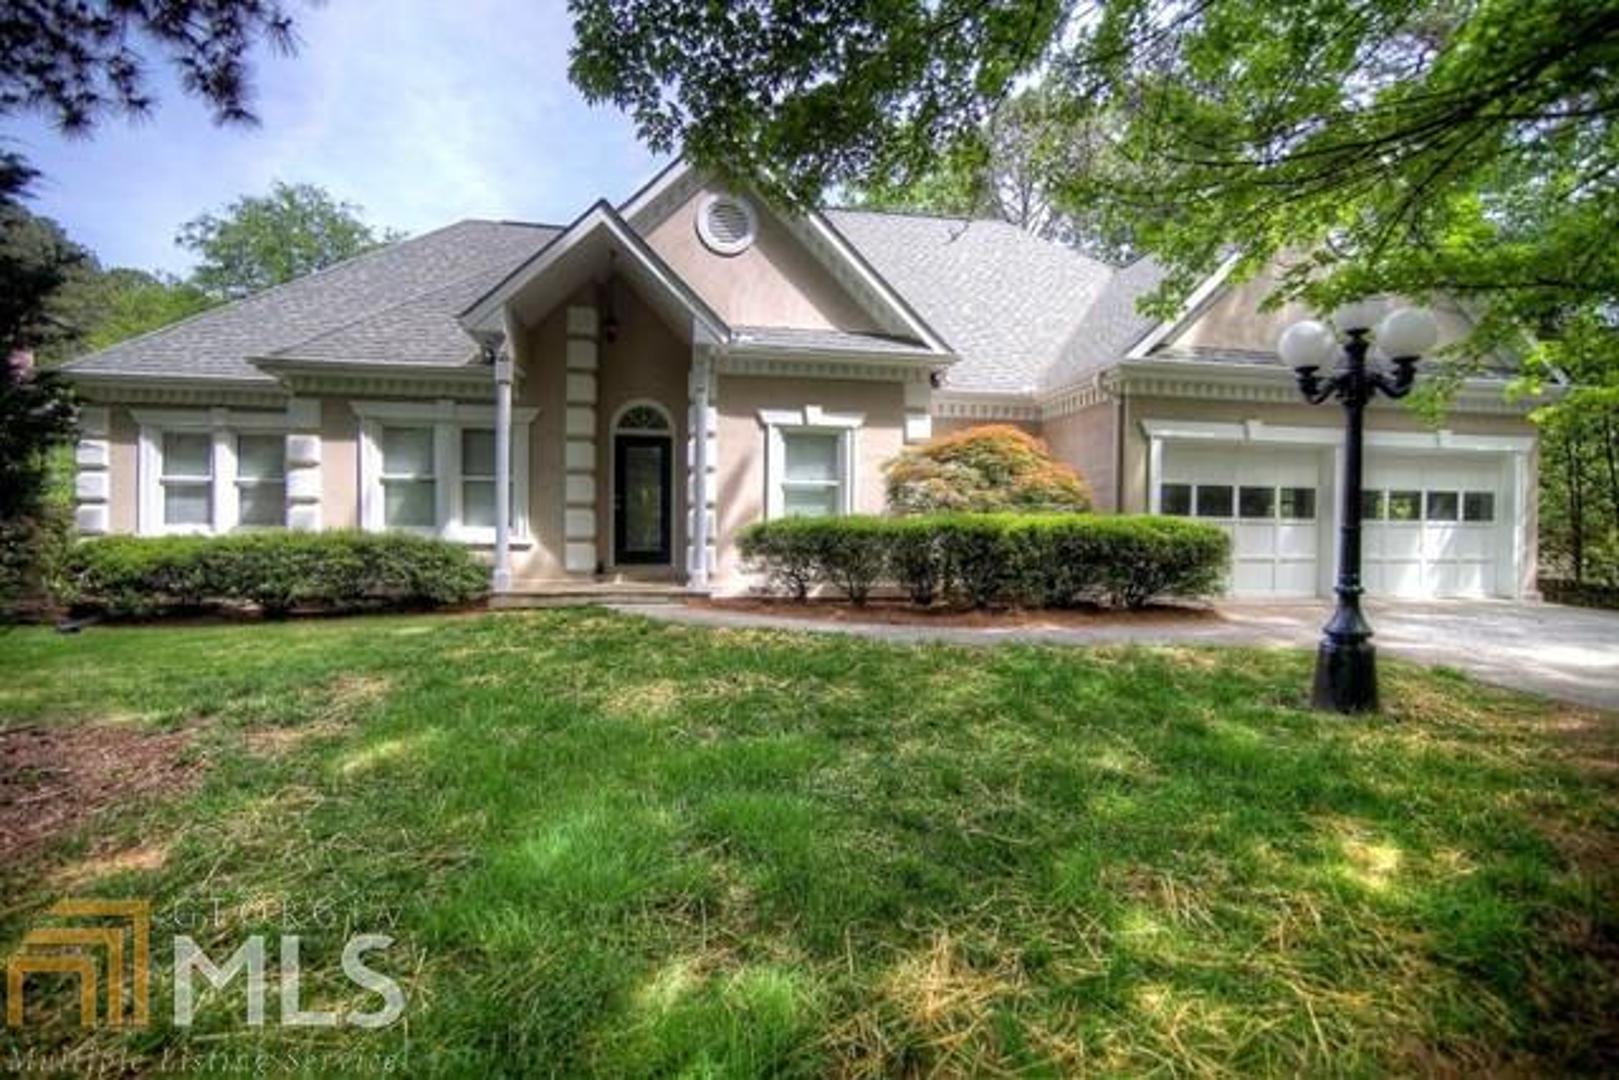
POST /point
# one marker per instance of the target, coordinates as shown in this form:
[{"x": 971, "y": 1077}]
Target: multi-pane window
[
  {"x": 261, "y": 480},
  {"x": 478, "y": 480},
  {"x": 812, "y": 476},
  {"x": 1251, "y": 502},
  {"x": 409, "y": 484},
  {"x": 187, "y": 479}
]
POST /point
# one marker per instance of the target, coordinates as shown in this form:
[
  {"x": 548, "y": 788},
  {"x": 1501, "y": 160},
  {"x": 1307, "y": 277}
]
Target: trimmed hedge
[
  {"x": 274, "y": 571},
  {"x": 1044, "y": 560}
]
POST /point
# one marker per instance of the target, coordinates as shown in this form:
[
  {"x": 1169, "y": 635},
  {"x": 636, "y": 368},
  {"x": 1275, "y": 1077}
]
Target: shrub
[
  {"x": 978, "y": 559},
  {"x": 1048, "y": 560},
  {"x": 994, "y": 467},
  {"x": 274, "y": 571},
  {"x": 916, "y": 559},
  {"x": 851, "y": 553}
]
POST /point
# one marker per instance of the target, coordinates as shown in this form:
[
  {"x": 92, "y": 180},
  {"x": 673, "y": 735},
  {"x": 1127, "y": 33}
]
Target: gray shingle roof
[
  {"x": 395, "y": 304},
  {"x": 1005, "y": 301},
  {"x": 1110, "y": 327}
]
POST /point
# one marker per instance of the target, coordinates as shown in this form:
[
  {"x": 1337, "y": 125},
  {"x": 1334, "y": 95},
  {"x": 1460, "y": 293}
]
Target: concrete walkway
[{"x": 1562, "y": 652}]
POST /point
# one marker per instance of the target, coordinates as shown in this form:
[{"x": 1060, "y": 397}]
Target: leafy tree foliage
[
  {"x": 1013, "y": 172},
  {"x": 980, "y": 469},
  {"x": 260, "y": 241},
  {"x": 79, "y": 59},
  {"x": 103, "y": 307},
  {"x": 1408, "y": 145}
]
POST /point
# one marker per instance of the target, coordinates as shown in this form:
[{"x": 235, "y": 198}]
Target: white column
[
  {"x": 303, "y": 464},
  {"x": 700, "y": 426},
  {"x": 579, "y": 554},
  {"x": 503, "y": 466},
  {"x": 92, "y": 487},
  {"x": 1155, "y": 475}
]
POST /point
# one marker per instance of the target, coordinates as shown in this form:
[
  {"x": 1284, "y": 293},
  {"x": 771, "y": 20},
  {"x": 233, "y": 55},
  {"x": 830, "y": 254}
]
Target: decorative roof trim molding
[
  {"x": 1213, "y": 381},
  {"x": 965, "y": 405},
  {"x": 1193, "y": 305},
  {"x": 773, "y": 364},
  {"x": 673, "y": 185},
  {"x": 743, "y": 350},
  {"x": 1258, "y": 431},
  {"x": 1075, "y": 397},
  {"x": 171, "y": 390}
]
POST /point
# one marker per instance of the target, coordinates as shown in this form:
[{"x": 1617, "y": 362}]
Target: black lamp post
[{"x": 1346, "y": 662}]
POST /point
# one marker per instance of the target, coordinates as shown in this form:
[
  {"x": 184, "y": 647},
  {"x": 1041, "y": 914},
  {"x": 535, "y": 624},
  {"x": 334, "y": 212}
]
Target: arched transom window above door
[{"x": 642, "y": 418}]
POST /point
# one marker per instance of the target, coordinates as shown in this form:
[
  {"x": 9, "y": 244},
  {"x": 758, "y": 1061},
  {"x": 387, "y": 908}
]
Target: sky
[{"x": 422, "y": 112}]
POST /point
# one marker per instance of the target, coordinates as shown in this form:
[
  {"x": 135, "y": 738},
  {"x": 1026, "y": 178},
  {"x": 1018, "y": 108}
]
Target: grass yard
[{"x": 615, "y": 847}]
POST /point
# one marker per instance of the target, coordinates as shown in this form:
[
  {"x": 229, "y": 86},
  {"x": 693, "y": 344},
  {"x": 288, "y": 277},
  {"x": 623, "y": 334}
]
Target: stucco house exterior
[{"x": 694, "y": 348}]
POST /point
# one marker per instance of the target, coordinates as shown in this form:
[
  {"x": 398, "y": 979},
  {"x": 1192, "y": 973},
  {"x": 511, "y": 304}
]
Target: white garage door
[
  {"x": 1433, "y": 525},
  {"x": 1269, "y": 501}
]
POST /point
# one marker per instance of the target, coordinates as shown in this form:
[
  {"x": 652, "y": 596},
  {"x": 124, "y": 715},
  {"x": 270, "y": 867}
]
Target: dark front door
[{"x": 641, "y": 503}]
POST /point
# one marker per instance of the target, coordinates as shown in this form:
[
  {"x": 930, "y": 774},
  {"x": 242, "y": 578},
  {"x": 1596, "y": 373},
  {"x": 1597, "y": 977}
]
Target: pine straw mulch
[{"x": 54, "y": 780}]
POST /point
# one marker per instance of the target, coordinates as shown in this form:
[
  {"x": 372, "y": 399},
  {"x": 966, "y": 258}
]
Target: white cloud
[{"x": 421, "y": 111}]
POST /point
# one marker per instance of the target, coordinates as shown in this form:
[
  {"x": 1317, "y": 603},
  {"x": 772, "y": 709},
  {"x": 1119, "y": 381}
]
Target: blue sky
[{"x": 421, "y": 111}]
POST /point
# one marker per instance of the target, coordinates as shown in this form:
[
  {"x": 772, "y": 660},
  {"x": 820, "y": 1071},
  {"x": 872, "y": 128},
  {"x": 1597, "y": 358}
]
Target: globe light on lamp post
[{"x": 1346, "y": 662}]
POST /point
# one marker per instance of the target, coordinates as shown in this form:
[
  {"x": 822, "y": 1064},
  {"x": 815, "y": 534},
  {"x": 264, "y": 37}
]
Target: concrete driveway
[{"x": 1562, "y": 652}]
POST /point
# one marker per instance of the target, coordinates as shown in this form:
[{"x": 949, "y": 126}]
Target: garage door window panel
[
  {"x": 1214, "y": 501},
  {"x": 1441, "y": 506},
  {"x": 1298, "y": 504},
  {"x": 1175, "y": 499},
  {"x": 1256, "y": 503},
  {"x": 1478, "y": 506},
  {"x": 1404, "y": 505}
]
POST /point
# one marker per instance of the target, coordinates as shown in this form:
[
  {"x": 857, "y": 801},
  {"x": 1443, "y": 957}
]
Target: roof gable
[{"x": 801, "y": 273}]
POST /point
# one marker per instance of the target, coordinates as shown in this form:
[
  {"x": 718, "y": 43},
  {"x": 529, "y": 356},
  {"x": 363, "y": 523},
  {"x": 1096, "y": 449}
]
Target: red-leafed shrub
[{"x": 984, "y": 469}]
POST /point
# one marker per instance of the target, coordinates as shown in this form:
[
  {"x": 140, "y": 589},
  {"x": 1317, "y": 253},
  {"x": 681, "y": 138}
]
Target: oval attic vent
[{"x": 726, "y": 224}]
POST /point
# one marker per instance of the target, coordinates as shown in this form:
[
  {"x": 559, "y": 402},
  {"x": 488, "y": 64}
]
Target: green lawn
[{"x": 611, "y": 846}]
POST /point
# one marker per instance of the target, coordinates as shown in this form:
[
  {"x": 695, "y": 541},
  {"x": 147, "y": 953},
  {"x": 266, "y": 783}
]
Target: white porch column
[
  {"x": 502, "y": 579},
  {"x": 1155, "y": 475},
  {"x": 700, "y": 424}
]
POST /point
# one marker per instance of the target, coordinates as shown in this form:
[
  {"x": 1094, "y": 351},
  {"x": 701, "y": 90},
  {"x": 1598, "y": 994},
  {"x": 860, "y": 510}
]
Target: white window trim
[
  {"x": 447, "y": 419},
  {"x": 809, "y": 420},
  {"x": 223, "y": 425}
]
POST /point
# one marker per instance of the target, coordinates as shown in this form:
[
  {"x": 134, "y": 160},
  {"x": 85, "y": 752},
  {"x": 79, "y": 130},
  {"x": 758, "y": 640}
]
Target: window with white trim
[
  {"x": 810, "y": 461},
  {"x": 186, "y": 477},
  {"x": 409, "y": 480},
  {"x": 430, "y": 467},
  {"x": 261, "y": 480},
  {"x": 210, "y": 470},
  {"x": 478, "y": 480},
  {"x": 812, "y": 474}
]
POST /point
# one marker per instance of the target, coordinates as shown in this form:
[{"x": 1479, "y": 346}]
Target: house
[{"x": 401, "y": 390}]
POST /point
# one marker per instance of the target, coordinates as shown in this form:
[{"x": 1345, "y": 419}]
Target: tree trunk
[{"x": 1576, "y": 503}]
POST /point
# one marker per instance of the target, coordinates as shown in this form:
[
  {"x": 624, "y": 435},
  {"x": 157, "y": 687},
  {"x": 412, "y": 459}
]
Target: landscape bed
[{"x": 609, "y": 846}]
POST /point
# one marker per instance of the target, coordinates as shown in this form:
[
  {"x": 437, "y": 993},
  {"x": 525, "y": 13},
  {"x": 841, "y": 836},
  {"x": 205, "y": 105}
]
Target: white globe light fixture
[
  {"x": 1307, "y": 344},
  {"x": 1346, "y": 662},
  {"x": 1407, "y": 332},
  {"x": 1358, "y": 315}
]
